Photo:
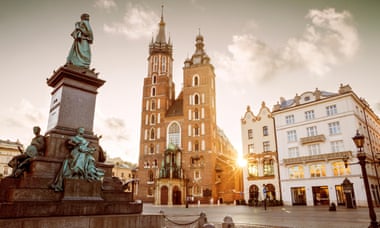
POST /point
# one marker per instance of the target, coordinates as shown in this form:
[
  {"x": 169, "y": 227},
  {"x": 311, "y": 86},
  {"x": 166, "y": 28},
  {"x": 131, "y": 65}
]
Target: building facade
[
  {"x": 183, "y": 154},
  {"x": 314, "y": 136},
  {"x": 261, "y": 177},
  {"x": 8, "y": 149}
]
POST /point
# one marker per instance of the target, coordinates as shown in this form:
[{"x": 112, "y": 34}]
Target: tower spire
[{"x": 161, "y": 38}]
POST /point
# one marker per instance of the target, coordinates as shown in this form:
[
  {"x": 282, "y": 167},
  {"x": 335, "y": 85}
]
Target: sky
[{"x": 261, "y": 50}]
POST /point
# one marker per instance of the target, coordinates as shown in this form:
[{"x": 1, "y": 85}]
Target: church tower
[
  {"x": 184, "y": 156},
  {"x": 158, "y": 96}
]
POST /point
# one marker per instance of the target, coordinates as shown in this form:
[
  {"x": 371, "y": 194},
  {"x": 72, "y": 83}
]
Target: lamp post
[{"x": 359, "y": 142}]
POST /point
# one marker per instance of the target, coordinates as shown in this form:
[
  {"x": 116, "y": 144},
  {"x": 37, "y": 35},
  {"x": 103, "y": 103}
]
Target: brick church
[{"x": 184, "y": 155}]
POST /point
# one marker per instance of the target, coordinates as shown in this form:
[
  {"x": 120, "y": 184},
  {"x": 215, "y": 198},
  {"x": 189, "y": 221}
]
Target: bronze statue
[
  {"x": 80, "y": 164},
  {"x": 20, "y": 163},
  {"x": 80, "y": 53}
]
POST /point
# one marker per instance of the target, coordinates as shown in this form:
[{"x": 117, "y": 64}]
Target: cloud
[
  {"x": 329, "y": 39},
  {"x": 18, "y": 120},
  {"x": 137, "y": 23},
  {"x": 105, "y": 4}
]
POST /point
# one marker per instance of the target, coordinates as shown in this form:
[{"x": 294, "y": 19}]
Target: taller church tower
[
  {"x": 183, "y": 154},
  {"x": 158, "y": 96}
]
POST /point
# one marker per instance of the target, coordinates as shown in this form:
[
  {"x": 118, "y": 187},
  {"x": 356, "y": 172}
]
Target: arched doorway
[
  {"x": 164, "y": 195},
  {"x": 271, "y": 191},
  {"x": 176, "y": 196},
  {"x": 253, "y": 195}
]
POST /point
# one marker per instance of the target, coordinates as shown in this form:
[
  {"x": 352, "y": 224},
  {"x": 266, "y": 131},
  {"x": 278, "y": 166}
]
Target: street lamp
[{"x": 359, "y": 142}]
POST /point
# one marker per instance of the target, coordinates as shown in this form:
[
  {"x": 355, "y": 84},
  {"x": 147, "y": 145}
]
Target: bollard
[
  {"x": 202, "y": 219},
  {"x": 228, "y": 222}
]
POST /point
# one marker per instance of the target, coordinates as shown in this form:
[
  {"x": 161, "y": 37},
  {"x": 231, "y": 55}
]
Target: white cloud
[
  {"x": 21, "y": 118},
  {"x": 105, "y": 4},
  {"x": 137, "y": 23},
  {"x": 329, "y": 39}
]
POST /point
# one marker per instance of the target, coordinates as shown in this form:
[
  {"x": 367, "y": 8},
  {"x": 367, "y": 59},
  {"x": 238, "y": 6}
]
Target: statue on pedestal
[
  {"x": 80, "y": 164},
  {"x": 80, "y": 53},
  {"x": 20, "y": 163}
]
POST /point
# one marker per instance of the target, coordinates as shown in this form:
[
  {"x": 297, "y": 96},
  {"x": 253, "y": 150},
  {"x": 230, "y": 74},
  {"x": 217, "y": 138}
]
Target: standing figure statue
[
  {"x": 80, "y": 164},
  {"x": 80, "y": 53},
  {"x": 20, "y": 163}
]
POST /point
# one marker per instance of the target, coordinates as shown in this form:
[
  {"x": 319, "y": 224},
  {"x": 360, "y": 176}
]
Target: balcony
[
  {"x": 319, "y": 157},
  {"x": 313, "y": 139}
]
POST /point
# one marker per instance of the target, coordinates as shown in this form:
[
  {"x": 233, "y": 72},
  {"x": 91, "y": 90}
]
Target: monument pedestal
[{"x": 72, "y": 106}]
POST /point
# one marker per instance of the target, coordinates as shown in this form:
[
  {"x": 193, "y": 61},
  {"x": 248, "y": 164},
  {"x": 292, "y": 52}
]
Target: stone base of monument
[
  {"x": 100, "y": 221},
  {"x": 31, "y": 195}
]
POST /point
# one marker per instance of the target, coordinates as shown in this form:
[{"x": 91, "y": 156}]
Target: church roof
[{"x": 177, "y": 107}]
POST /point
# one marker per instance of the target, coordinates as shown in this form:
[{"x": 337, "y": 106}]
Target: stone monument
[{"x": 67, "y": 176}]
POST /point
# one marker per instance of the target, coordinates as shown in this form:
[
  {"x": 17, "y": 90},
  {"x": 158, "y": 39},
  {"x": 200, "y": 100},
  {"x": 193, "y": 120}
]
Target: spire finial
[{"x": 162, "y": 12}]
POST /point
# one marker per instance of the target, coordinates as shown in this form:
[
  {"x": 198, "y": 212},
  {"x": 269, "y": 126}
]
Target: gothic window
[
  {"x": 196, "y": 130},
  {"x": 196, "y": 145},
  {"x": 153, "y": 92},
  {"x": 152, "y": 134},
  {"x": 163, "y": 66},
  {"x": 152, "y": 119},
  {"x": 196, "y": 114},
  {"x": 196, "y": 99},
  {"x": 151, "y": 149},
  {"x": 155, "y": 63},
  {"x": 174, "y": 134},
  {"x": 153, "y": 105},
  {"x": 150, "y": 173},
  {"x": 195, "y": 80},
  {"x": 154, "y": 79}
]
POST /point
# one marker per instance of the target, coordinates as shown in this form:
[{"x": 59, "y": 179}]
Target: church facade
[{"x": 184, "y": 156}]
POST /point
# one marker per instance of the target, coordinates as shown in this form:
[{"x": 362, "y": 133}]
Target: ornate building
[
  {"x": 182, "y": 151},
  {"x": 314, "y": 138},
  {"x": 261, "y": 176},
  {"x": 8, "y": 149}
]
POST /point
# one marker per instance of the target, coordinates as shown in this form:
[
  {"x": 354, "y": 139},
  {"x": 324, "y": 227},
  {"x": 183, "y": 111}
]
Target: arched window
[
  {"x": 153, "y": 105},
  {"x": 196, "y": 114},
  {"x": 153, "y": 92},
  {"x": 174, "y": 134},
  {"x": 196, "y": 145},
  {"x": 154, "y": 79},
  {"x": 151, "y": 149},
  {"x": 150, "y": 175},
  {"x": 196, "y": 99},
  {"x": 152, "y": 119},
  {"x": 152, "y": 133},
  {"x": 163, "y": 64},
  {"x": 195, "y": 80},
  {"x": 155, "y": 63},
  {"x": 196, "y": 130}
]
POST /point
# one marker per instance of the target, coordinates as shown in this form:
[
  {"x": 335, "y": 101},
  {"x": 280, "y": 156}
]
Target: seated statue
[
  {"x": 80, "y": 164},
  {"x": 20, "y": 163}
]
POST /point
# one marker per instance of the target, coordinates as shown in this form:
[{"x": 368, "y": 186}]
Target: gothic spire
[
  {"x": 161, "y": 38},
  {"x": 160, "y": 45}
]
